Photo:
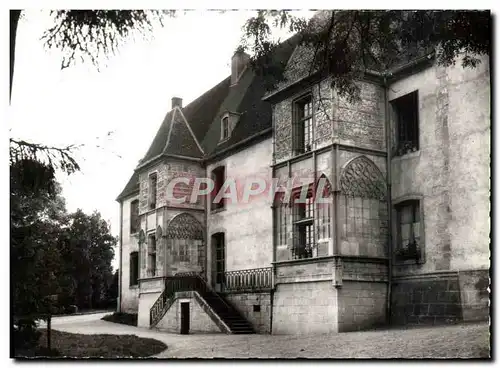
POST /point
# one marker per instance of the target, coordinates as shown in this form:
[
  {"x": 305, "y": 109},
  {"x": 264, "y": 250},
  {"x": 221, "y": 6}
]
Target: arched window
[
  {"x": 364, "y": 208},
  {"x": 185, "y": 241}
]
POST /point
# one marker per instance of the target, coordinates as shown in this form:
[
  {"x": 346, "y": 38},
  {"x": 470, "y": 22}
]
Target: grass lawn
[{"x": 102, "y": 346}]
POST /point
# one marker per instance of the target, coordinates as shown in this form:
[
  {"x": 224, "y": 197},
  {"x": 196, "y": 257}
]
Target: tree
[
  {"x": 37, "y": 213},
  {"x": 90, "y": 253},
  {"x": 345, "y": 44},
  {"x": 88, "y": 35}
]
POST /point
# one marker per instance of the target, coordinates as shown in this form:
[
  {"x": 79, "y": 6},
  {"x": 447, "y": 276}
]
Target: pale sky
[{"x": 130, "y": 96}]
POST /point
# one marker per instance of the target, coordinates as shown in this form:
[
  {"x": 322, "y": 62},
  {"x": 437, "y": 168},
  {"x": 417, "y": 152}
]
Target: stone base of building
[
  {"x": 441, "y": 297},
  {"x": 255, "y": 307},
  {"x": 362, "y": 305},
  {"x": 200, "y": 319}
]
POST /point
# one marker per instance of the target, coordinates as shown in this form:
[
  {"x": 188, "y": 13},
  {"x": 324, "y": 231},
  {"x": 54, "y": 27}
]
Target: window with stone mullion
[
  {"x": 303, "y": 125},
  {"x": 151, "y": 255}
]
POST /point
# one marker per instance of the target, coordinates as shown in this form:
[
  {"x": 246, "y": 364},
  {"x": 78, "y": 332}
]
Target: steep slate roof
[
  {"x": 197, "y": 125},
  {"x": 131, "y": 187}
]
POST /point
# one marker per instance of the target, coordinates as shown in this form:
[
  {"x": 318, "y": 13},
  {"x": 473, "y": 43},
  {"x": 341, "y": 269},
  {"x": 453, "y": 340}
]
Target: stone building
[{"x": 403, "y": 237}]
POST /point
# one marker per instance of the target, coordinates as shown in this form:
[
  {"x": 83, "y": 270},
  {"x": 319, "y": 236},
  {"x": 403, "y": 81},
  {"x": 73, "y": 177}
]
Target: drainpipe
[
  {"x": 273, "y": 272},
  {"x": 389, "y": 198},
  {"x": 120, "y": 269}
]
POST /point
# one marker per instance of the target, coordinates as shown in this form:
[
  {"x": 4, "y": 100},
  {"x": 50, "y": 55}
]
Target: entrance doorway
[
  {"x": 184, "y": 318},
  {"x": 219, "y": 261}
]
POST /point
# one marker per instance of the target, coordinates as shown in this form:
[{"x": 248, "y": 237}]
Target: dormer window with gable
[{"x": 227, "y": 123}]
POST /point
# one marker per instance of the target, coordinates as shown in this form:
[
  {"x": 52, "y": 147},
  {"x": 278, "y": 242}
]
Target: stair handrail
[{"x": 173, "y": 284}]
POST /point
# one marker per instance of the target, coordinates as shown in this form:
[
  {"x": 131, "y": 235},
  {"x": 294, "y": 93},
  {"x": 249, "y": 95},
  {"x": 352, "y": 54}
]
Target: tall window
[
  {"x": 303, "y": 227},
  {"x": 225, "y": 128},
  {"x": 180, "y": 250},
  {"x": 218, "y": 176},
  {"x": 281, "y": 209},
  {"x": 303, "y": 125},
  {"x": 406, "y": 112},
  {"x": 408, "y": 225},
  {"x": 153, "y": 179},
  {"x": 218, "y": 242},
  {"x": 134, "y": 268},
  {"x": 151, "y": 255},
  {"x": 324, "y": 220},
  {"x": 134, "y": 217}
]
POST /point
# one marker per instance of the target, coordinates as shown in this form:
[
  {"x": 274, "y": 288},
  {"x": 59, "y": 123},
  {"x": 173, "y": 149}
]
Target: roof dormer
[{"x": 227, "y": 123}]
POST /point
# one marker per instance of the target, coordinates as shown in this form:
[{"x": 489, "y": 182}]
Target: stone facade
[
  {"x": 305, "y": 307},
  {"x": 362, "y": 124},
  {"x": 347, "y": 282},
  {"x": 255, "y": 307},
  {"x": 450, "y": 176},
  {"x": 129, "y": 296},
  {"x": 246, "y": 226},
  {"x": 361, "y": 305}
]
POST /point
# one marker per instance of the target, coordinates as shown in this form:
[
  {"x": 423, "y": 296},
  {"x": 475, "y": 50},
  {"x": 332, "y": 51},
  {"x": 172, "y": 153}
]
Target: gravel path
[{"x": 454, "y": 341}]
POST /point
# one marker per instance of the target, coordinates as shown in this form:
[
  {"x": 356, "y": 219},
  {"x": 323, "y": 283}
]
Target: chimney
[
  {"x": 239, "y": 61},
  {"x": 176, "y": 101}
]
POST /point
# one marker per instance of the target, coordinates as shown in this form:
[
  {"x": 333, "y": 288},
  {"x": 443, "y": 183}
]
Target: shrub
[{"x": 123, "y": 318}]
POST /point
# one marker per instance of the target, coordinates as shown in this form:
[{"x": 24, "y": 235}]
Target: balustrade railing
[
  {"x": 249, "y": 280},
  {"x": 258, "y": 279}
]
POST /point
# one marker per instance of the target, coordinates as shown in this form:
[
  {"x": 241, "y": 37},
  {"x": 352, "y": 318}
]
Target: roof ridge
[
  {"x": 190, "y": 131},
  {"x": 169, "y": 131}
]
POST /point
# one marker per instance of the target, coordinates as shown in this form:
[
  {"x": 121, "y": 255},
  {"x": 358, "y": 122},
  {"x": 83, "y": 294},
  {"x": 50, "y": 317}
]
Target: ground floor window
[
  {"x": 408, "y": 245},
  {"x": 134, "y": 268}
]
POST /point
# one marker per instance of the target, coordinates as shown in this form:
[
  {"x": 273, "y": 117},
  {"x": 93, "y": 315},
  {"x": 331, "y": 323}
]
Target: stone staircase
[{"x": 227, "y": 313}]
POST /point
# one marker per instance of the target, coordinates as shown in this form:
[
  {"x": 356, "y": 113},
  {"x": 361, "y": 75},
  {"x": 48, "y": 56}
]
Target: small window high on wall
[
  {"x": 407, "y": 130},
  {"x": 303, "y": 127},
  {"x": 134, "y": 217}
]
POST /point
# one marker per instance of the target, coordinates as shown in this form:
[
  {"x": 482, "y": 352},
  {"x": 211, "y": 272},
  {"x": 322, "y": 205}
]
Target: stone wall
[
  {"x": 305, "y": 308},
  {"x": 146, "y": 301},
  {"x": 322, "y": 120},
  {"x": 199, "y": 320},
  {"x": 247, "y": 226},
  {"x": 451, "y": 170},
  {"x": 129, "y": 298},
  {"x": 362, "y": 305},
  {"x": 427, "y": 299},
  {"x": 475, "y": 294},
  {"x": 362, "y": 123},
  {"x": 245, "y": 303}
]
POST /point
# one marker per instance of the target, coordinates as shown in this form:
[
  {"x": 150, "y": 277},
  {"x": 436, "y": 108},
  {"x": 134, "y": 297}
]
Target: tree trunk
[{"x": 14, "y": 20}]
